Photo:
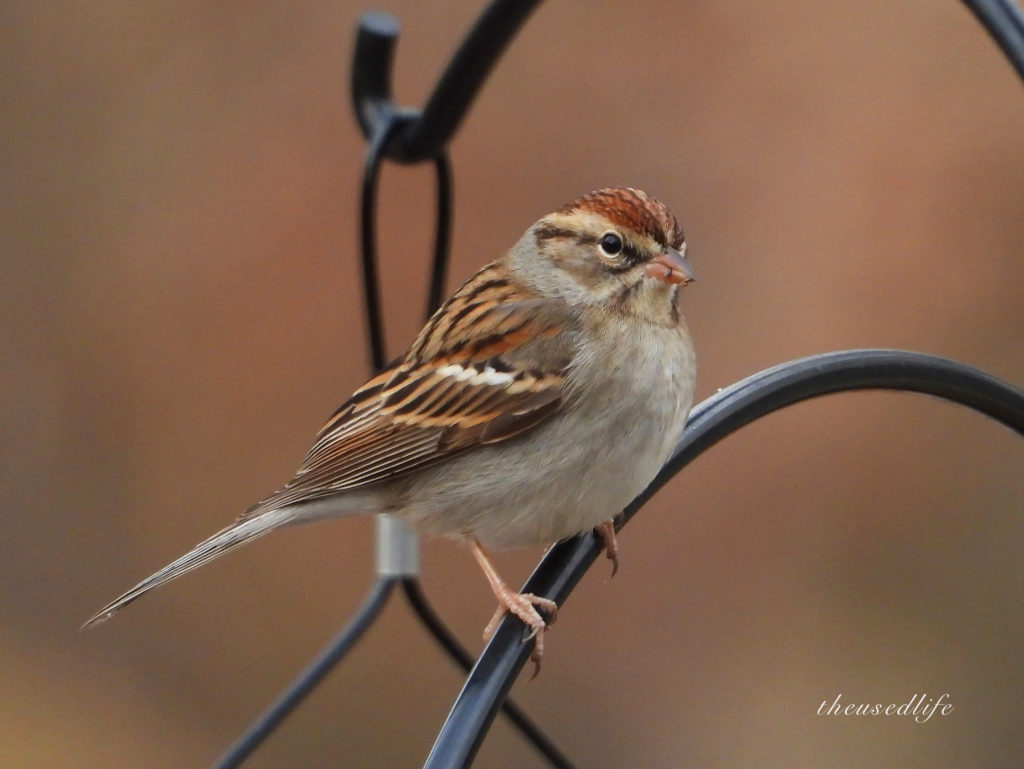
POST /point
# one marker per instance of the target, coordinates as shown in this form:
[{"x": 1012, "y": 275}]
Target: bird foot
[
  {"x": 522, "y": 605},
  {"x": 525, "y": 606}
]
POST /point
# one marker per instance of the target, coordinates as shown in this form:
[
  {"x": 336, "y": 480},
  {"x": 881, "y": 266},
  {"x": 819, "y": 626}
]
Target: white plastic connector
[{"x": 398, "y": 549}]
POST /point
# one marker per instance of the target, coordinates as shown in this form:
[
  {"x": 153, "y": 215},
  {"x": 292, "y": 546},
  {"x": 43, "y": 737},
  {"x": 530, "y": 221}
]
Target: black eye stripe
[{"x": 630, "y": 255}]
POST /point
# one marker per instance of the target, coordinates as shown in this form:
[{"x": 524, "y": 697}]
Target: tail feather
[{"x": 227, "y": 539}]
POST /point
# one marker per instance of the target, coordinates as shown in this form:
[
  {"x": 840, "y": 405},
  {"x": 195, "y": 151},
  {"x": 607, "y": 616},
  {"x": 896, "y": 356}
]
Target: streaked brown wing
[{"x": 441, "y": 399}]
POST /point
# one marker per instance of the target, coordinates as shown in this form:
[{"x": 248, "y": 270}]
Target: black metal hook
[{"x": 422, "y": 134}]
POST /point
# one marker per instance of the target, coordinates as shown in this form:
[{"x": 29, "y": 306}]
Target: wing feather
[{"x": 450, "y": 392}]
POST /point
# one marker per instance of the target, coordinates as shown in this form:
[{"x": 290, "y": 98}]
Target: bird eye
[{"x": 610, "y": 243}]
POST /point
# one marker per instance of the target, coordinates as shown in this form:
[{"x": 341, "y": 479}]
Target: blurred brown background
[{"x": 181, "y": 310}]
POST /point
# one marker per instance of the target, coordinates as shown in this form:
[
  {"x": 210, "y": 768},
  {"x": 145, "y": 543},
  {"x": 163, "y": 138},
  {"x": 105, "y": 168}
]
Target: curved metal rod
[
  {"x": 1005, "y": 23},
  {"x": 720, "y": 415},
  {"x": 530, "y": 731},
  {"x": 306, "y": 681},
  {"x": 368, "y": 243},
  {"x": 442, "y": 232},
  {"x": 372, "y": 63},
  {"x": 368, "y": 238},
  {"x": 424, "y": 134}
]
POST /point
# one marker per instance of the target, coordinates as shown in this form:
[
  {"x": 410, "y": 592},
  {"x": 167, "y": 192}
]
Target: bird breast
[{"x": 584, "y": 464}]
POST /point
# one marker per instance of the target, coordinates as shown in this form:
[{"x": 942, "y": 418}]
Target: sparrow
[{"x": 536, "y": 403}]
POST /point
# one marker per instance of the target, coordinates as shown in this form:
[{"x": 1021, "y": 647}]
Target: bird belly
[{"x": 578, "y": 469}]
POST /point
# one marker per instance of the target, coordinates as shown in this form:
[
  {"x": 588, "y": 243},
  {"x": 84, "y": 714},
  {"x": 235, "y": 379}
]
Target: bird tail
[{"x": 227, "y": 539}]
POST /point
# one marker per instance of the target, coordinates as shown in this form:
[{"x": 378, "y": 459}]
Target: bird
[{"x": 533, "y": 406}]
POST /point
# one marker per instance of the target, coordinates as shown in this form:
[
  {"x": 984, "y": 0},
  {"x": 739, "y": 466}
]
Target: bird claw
[
  {"x": 525, "y": 606},
  {"x": 606, "y": 531}
]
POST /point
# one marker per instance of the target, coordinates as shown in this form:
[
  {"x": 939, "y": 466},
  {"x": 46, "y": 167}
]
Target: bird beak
[{"x": 671, "y": 267}]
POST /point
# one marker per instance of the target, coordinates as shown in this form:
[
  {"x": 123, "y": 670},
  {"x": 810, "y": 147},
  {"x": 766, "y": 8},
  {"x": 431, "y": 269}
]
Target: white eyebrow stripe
[{"x": 489, "y": 375}]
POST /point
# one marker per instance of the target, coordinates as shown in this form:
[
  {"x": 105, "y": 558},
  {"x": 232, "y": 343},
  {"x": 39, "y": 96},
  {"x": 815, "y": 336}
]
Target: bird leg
[
  {"x": 522, "y": 605},
  {"x": 606, "y": 531}
]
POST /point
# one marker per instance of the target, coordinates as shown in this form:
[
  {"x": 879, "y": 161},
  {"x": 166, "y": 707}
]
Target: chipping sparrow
[{"x": 540, "y": 399}]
